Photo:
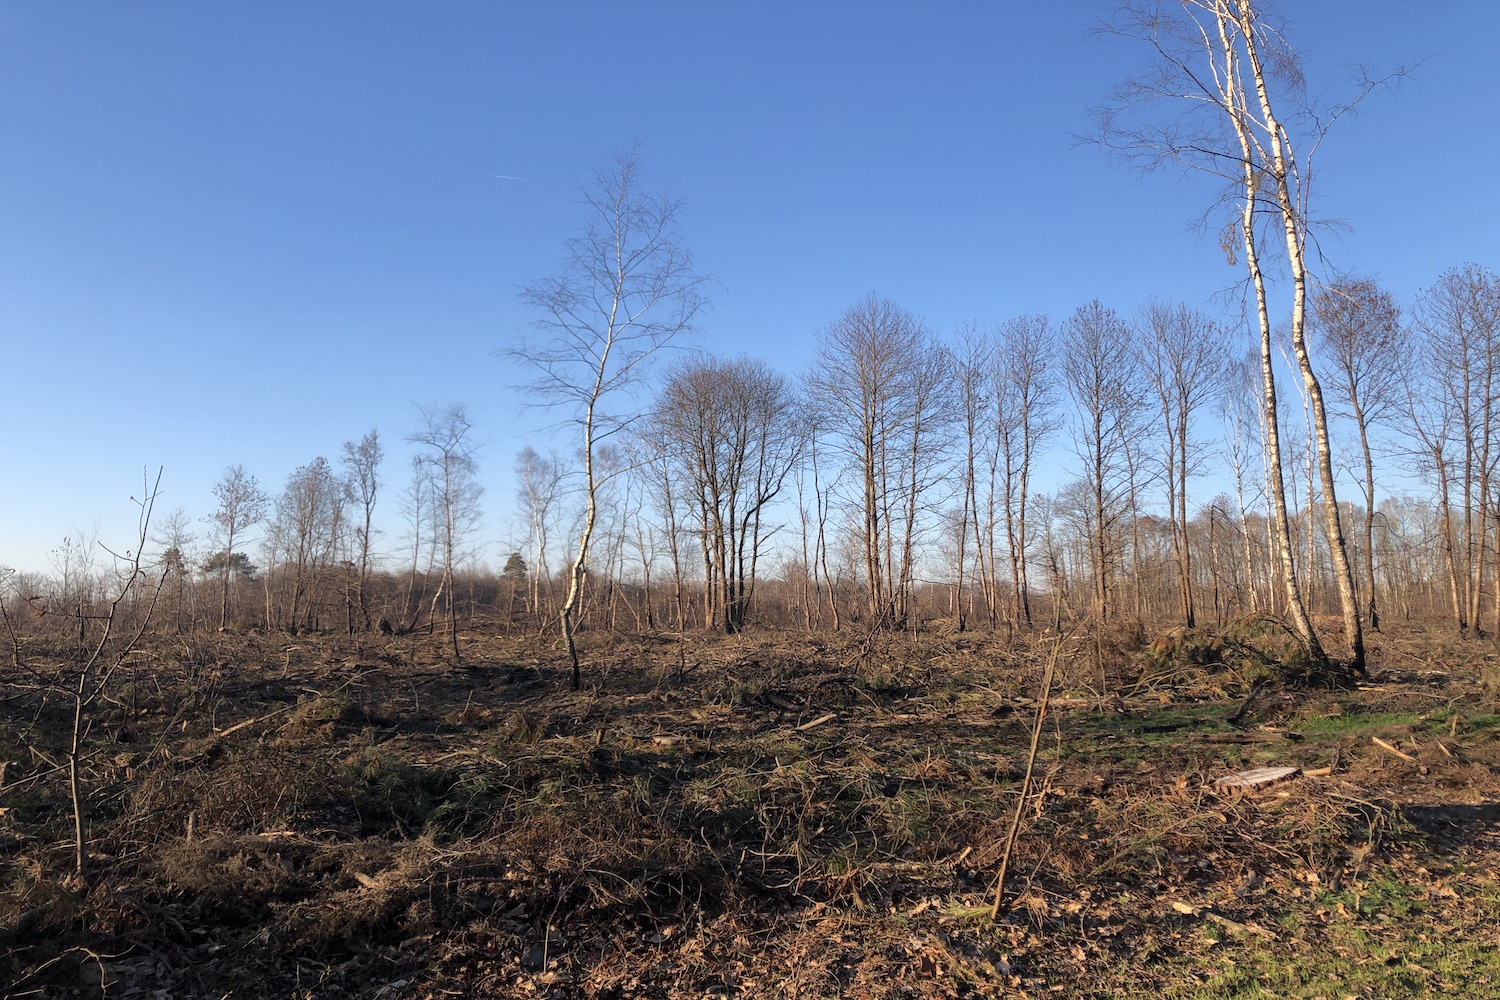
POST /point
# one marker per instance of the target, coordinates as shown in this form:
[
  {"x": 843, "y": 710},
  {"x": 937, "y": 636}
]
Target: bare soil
[{"x": 774, "y": 814}]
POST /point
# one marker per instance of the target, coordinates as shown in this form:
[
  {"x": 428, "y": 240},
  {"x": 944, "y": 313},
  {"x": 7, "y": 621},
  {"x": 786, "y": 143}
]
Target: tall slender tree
[
  {"x": 1227, "y": 72},
  {"x": 361, "y": 463},
  {"x": 446, "y": 460},
  {"x": 1025, "y": 395},
  {"x": 1103, "y": 377},
  {"x": 1184, "y": 360},
  {"x": 880, "y": 386},
  {"x": 242, "y": 504},
  {"x": 628, "y": 288},
  {"x": 1358, "y": 324},
  {"x": 1460, "y": 320}
]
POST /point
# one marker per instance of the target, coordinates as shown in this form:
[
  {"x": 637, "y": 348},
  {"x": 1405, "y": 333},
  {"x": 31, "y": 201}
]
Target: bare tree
[
  {"x": 1239, "y": 414},
  {"x": 1229, "y": 73},
  {"x": 1182, "y": 353},
  {"x": 971, "y": 369},
  {"x": 1460, "y": 319},
  {"x": 447, "y": 462},
  {"x": 1359, "y": 325},
  {"x": 306, "y": 528},
  {"x": 737, "y": 430},
  {"x": 1025, "y": 396},
  {"x": 541, "y": 478},
  {"x": 1101, "y": 373},
  {"x": 107, "y": 654},
  {"x": 880, "y": 385},
  {"x": 362, "y": 474},
  {"x": 627, "y": 289},
  {"x": 242, "y": 504},
  {"x": 415, "y": 504},
  {"x": 176, "y": 537}
]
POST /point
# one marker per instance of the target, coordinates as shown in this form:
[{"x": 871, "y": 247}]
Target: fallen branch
[
  {"x": 1250, "y": 737},
  {"x": 1382, "y": 744},
  {"x": 1036, "y": 738},
  {"x": 816, "y": 722},
  {"x": 1239, "y": 713},
  {"x": 221, "y": 733},
  {"x": 1190, "y": 910}
]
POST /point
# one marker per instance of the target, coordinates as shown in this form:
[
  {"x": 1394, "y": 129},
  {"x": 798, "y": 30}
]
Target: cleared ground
[{"x": 770, "y": 815}]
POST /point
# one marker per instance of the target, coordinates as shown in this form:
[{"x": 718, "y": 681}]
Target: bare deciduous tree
[
  {"x": 309, "y": 517},
  {"x": 881, "y": 386},
  {"x": 541, "y": 478},
  {"x": 362, "y": 474},
  {"x": 1228, "y": 74},
  {"x": 176, "y": 538},
  {"x": 1359, "y": 325},
  {"x": 627, "y": 289},
  {"x": 447, "y": 462},
  {"x": 1460, "y": 319},
  {"x": 1182, "y": 353},
  {"x": 737, "y": 430},
  {"x": 1101, "y": 373},
  {"x": 971, "y": 370},
  {"x": 242, "y": 503}
]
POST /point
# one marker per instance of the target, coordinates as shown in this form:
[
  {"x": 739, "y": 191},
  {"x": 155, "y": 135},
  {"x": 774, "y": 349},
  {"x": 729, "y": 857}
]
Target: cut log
[
  {"x": 1260, "y": 777},
  {"x": 1258, "y": 737}
]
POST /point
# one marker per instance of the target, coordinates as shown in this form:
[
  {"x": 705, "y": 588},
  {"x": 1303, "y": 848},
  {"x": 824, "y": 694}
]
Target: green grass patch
[{"x": 1354, "y": 722}]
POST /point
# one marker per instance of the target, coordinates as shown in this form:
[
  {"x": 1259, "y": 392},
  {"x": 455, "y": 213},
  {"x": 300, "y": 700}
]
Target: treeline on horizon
[
  {"x": 891, "y": 486},
  {"x": 896, "y": 480}
]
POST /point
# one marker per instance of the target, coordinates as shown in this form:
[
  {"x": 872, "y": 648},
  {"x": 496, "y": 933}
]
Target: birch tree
[
  {"x": 446, "y": 461},
  {"x": 1236, "y": 91},
  {"x": 541, "y": 485},
  {"x": 362, "y": 474},
  {"x": 626, "y": 290}
]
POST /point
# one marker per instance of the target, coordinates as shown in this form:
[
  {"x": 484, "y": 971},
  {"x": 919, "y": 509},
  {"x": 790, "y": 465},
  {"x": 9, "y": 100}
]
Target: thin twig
[{"x": 1036, "y": 737}]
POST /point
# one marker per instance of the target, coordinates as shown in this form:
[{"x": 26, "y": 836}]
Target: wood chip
[{"x": 1259, "y": 777}]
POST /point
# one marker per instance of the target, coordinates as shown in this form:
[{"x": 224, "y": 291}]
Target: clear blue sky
[{"x": 248, "y": 232}]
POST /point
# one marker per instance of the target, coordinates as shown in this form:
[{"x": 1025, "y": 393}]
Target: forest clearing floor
[{"x": 774, "y": 814}]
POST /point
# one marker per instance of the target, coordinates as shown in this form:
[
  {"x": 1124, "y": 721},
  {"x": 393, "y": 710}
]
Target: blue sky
[{"x": 246, "y": 233}]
